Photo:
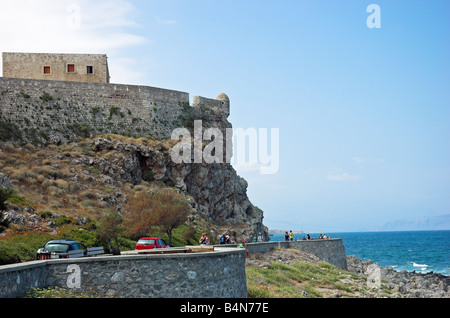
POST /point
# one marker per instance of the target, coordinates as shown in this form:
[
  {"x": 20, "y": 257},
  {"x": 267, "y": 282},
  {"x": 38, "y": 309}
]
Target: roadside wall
[
  {"x": 219, "y": 274},
  {"x": 330, "y": 250}
]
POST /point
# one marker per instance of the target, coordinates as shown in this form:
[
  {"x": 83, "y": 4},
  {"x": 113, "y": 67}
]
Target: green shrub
[
  {"x": 259, "y": 292},
  {"x": 25, "y": 95},
  {"x": 46, "y": 97},
  {"x": 9, "y": 131},
  {"x": 60, "y": 292},
  {"x": 21, "y": 247},
  {"x": 63, "y": 220},
  {"x": 5, "y": 194},
  {"x": 149, "y": 176},
  {"x": 16, "y": 199},
  {"x": 114, "y": 110}
]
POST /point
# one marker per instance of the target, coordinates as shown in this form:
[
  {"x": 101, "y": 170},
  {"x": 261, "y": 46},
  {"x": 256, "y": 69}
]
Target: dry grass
[{"x": 56, "y": 178}]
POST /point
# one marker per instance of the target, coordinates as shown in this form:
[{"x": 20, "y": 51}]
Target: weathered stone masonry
[
  {"x": 58, "y": 111},
  {"x": 215, "y": 274},
  {"x": 195, "y": 275},
  {"x": 331, "y": 250},
  {"x": 61, "y": 67}
]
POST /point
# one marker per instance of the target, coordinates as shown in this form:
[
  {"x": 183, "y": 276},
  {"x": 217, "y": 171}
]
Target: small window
[
  {"x": 70, "y": 68},
  {"x": 47, "y": 70},
  {"x": 161, "y": 242},
  {"x": 90, "y": 70}
]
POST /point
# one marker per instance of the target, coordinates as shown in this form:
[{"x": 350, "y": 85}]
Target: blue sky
[{"x": 363, "y": 113}]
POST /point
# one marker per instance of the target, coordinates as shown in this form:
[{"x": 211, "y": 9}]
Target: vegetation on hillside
[
  {"x": 60, "y": 194},
  {"x": 301, "y": 280},
  {"x": 291, "y": 273}
]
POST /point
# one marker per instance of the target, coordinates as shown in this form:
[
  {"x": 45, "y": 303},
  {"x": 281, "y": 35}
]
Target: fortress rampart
[{"x": 42, "y": 111}]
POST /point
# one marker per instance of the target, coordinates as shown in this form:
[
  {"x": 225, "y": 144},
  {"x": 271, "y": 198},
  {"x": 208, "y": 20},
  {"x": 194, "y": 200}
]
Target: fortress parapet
[
  {"x": 43, "y": 111},
  {"x": 220, "y": 104}
]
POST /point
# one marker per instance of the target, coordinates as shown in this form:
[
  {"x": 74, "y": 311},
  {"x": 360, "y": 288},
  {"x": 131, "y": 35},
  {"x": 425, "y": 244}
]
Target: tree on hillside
[
  {"x": 171, "y": 210},
  {"x": 165, "y": 208},
  {"x": 109, "y": 229},
  {"x": 141, "y": 217}
]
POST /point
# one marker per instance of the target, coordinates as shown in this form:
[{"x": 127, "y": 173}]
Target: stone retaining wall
[
  {"x": 218, "y": 274},
  {"x": 329, "y": 250}
]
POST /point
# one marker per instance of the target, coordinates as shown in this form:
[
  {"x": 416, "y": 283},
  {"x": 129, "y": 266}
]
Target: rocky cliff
[
  {"x": 81, "y": 179},
  {"x": 217, "y": 193},
  {"x": 63, "y": 119}
]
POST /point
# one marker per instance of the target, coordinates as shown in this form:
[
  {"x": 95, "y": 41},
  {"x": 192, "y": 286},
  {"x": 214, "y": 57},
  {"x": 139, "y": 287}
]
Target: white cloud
[
  {"x": 68, "y": 26},
  {"x": 342, "y": 177}
]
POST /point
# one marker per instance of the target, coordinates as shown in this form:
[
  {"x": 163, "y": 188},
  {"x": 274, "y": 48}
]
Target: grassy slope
[{"x": 289, "y": 273}]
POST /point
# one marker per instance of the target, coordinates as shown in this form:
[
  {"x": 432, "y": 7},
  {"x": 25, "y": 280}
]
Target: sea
[{"x": 419, "y": 251}]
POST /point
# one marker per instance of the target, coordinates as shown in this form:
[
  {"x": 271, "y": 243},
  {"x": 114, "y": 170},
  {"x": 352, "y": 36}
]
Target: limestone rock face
[
  {"x": 4, "y": 181},
  {"x": 217, "y": 193}
]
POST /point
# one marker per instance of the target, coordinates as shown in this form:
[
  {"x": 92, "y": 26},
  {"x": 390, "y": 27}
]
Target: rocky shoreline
[
  {"x": 365, "y": 279},
  {"x": 402, "y": 284}
]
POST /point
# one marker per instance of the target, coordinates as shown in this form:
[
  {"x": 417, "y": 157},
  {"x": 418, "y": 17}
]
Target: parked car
[
  {"x": 62, "y": 249},
  {"x": 146, "y": 243}
]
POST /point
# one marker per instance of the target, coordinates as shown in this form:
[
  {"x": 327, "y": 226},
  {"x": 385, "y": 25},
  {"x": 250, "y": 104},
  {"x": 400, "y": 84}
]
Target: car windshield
[
  {"x": 57, "y": 247},
  {"x": 146, "y": 242}
]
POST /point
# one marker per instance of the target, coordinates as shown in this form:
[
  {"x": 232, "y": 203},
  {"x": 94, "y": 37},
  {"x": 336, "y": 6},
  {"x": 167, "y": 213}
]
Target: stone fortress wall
[{"x": 43, "y": 111}]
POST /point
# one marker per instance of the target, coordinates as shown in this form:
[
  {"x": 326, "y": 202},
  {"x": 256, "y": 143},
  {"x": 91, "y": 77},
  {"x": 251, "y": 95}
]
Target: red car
[{"x": 146, "y": 243}]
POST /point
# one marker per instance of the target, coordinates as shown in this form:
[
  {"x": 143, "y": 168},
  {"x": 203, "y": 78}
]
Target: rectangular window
[
  {"x": 70, "y": 68},
  {"x": 90, "y": 70},
  {"x": 47, "y": 70}
]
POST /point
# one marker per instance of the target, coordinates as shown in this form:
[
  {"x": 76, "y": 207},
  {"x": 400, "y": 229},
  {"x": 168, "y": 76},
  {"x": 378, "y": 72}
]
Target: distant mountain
[{"x": 432, "y": 223}]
